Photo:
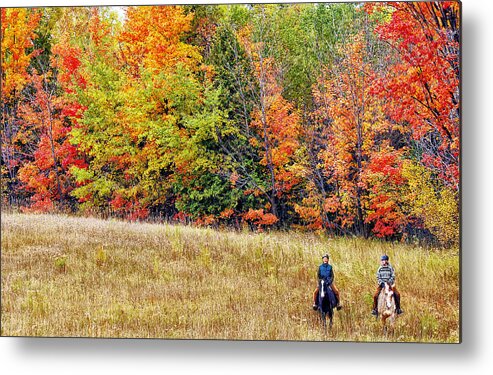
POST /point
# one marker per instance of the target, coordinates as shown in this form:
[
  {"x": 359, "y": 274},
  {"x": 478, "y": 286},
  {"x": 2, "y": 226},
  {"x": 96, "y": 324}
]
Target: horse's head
[
  {"x": 325, "y": 300},
  {"x": 322, "y": 288},
  {"x": 386, "y": 304},
  {"x": 388, "y": 295}
]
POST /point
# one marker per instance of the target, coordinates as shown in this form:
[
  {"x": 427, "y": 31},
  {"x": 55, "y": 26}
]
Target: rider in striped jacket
[{"x": 385, "y": 273}]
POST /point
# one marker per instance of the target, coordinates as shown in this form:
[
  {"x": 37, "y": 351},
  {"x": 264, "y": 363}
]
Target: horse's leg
[
  {"x": 324, "y": 322},
  {"x": 331, "y": 316}
]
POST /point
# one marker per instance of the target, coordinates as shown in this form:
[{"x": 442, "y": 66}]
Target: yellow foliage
[{"x": 436, "y": 205}]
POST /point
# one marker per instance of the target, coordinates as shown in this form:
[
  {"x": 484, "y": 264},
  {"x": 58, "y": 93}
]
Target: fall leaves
[
  {"x": 220, "y": 115},
  {"x": 18, "y": 27}
]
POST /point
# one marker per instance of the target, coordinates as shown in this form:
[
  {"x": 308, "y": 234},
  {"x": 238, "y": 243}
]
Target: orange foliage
[
  {"x": 151, "y": 39},
  {"x": 360, "y": 165},
  {"x": 276, "y": 120},
  {"x": 260, "y": 218},
  {"x": 47, "y": 174},
  {"x": 226, "y": 213},
  {"x": 17, "y": 35}
]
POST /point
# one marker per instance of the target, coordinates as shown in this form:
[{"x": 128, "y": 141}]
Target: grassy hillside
[{"x": 65, "y": 276}]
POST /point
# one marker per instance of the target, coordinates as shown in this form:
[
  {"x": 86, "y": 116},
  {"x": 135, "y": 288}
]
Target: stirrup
[
  {"x": 374, "y": 312},
  {"x": 315, "y": 307},
  {"x": 338, "y": 307}
]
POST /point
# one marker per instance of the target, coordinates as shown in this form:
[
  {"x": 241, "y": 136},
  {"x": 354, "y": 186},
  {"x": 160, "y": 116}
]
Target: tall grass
[{"x": 83, "y": 277}]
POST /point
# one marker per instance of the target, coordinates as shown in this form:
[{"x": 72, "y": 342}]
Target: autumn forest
[{"x": 338, "y": 117}]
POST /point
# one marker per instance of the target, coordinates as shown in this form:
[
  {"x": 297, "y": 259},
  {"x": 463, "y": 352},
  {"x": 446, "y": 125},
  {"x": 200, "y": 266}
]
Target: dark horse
[{"x": 326, "y": 302}]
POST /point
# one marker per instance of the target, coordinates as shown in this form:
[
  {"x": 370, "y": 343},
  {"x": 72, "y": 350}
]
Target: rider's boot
[
  {"x": 398, "y": 304},
  {"x": 338, "y": 300},
  {"x": 338, "y": 306},
  {"x": 315, "y": 299},
  {"x": 374, "y": 310}
]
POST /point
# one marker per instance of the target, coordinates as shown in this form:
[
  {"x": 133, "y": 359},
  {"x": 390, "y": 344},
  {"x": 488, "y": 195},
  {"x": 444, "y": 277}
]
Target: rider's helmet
[
  {"x": 384, "y": 257},
  {"x": 326, "y": 255}
]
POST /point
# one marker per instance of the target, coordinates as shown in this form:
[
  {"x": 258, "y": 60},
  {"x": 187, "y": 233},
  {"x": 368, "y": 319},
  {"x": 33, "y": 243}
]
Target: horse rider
[
  {"x": 326, "y": 272},
  {"x": 385, "y": 273}
]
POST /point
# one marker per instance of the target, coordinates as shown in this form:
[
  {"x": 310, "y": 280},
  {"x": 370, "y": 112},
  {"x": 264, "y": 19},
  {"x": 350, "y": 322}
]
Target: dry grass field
[{"x": 83, "y": 277}]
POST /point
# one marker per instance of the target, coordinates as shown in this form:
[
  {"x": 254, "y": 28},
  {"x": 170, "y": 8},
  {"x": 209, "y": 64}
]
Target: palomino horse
[
  {"x": 386, "y": 306},
  {"x": 326, "y": 303}
]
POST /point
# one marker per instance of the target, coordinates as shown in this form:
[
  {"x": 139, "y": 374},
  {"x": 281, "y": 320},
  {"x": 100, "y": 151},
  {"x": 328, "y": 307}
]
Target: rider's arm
[
  {"x": 379, "y": 279},
  {"x": 392, "y": 276},
  {"x": 331, "y": 275}
]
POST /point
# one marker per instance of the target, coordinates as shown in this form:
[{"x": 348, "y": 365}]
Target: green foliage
[
  {"x": 209, "y": 194},
  {"x": 101, "y": 256},
  {"x": 61, "y": 264},
  {"x": 305, "y": 39}
]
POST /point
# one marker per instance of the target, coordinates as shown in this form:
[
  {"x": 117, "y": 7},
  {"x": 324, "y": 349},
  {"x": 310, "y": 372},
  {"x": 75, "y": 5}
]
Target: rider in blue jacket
[{"x": 326, "y": 272}]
